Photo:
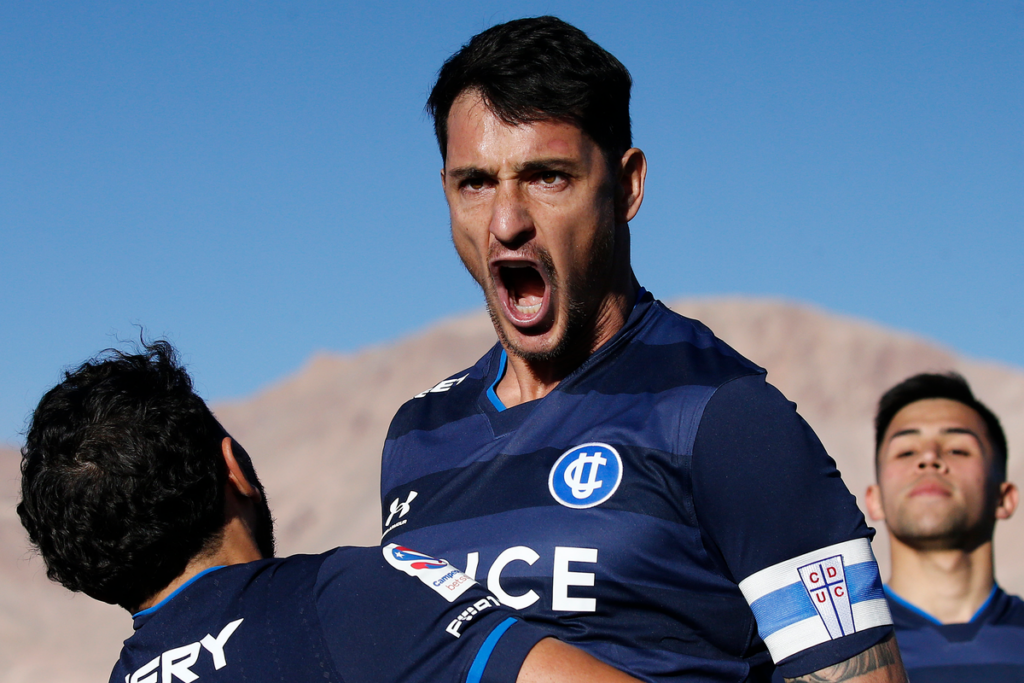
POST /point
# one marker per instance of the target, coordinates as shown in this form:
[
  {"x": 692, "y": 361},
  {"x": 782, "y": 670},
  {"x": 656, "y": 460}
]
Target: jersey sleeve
[
  {"x": 391, "y": 614},
  {"x": 778, "y": 519}
]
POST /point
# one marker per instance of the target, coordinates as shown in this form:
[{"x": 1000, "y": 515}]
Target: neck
[
  {"x": 950, "y": 585},
  {"x": 527, "y": 381},
  {"x": 236, "y": 546}
]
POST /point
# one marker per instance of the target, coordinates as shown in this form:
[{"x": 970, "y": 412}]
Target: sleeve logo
[
  {"x": 399, "y": 508},
  {"x": 585, "y": 476},
  {"x": 816, "y": 597},
  {"x": 441, "y": 577}
]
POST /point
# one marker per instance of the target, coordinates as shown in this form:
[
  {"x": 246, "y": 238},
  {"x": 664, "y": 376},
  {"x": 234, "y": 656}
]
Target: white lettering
[
  {"x": 524, "y": 554},
  {"x": 442, "y": 386},
  {"x": 472, "y": 562},
  {"x": 563, "y": 578},
  {"x": 216, "y": 645},
  {"x": 469, "y": 613},
  {"x": 177, "y": 662},
  {"x": 146, "y": 674}
]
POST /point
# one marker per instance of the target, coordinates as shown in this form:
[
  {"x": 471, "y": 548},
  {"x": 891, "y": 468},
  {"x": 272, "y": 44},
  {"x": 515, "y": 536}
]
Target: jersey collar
[
  {"x": 492, "y": 395},
  {"x": 146, "y": 613},
  {"x": 907, "y": 605}
]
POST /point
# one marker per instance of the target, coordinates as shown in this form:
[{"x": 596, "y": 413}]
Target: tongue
[{"x": 525, "y": 286}]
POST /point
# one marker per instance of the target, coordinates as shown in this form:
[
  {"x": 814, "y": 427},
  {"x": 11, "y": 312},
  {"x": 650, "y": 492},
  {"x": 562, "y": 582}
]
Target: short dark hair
[
  {"x": 949, "y": 386},
  {"x": 122, "y": 476},
  {"x": 539, "y": 69}
]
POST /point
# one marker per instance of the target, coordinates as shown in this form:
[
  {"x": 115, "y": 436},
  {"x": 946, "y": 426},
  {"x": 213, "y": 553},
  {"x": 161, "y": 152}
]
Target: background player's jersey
[
  {"x": 990, "y": 647},
  {"x": 358, "y": 615},
  {"x": 646, "y": 509}
]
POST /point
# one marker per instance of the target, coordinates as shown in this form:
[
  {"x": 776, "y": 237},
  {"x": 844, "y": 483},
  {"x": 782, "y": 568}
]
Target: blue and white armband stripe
[{"x": 817, "y": 597}]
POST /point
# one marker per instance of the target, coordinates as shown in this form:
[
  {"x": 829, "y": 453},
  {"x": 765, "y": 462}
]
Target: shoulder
[
  {"x": 226, "y": 618},
  {"x": 667, "y": 351},
  {"x": 446, "y": 401},
  {"x": 1009, "y": 610}
]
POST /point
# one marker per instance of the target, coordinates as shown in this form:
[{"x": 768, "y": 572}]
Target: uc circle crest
[{"x": 585, "y": 476}]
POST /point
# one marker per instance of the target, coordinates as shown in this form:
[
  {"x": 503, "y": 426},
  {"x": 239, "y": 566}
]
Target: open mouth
[{"x": 524, "y": 292}]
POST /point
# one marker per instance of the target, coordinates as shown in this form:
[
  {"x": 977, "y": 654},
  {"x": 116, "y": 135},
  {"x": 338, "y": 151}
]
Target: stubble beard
[
  {"x": 583, "y": 293},
  {"x": 933, "y": 530}
]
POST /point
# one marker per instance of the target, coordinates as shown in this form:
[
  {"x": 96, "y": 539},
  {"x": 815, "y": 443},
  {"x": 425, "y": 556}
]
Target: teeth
[{"x": 528, "y": 310}]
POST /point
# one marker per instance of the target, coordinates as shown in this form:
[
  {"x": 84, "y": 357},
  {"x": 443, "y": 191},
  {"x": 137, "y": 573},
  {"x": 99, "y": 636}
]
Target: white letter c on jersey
[{"x": 519, "y": 552}]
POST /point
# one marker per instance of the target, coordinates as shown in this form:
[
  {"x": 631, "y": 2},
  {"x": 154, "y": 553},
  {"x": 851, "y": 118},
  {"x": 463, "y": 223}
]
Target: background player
[
  {"x": 610, "y": 467},
  {"x": 941, "y": 466},
  {"x": 135, "y": 495}
]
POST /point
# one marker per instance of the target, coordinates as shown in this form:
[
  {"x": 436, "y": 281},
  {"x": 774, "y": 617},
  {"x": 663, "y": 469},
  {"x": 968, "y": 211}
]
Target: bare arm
[
  {"x": 552, "y": 661},
  {"x": 879, "y": 664}
]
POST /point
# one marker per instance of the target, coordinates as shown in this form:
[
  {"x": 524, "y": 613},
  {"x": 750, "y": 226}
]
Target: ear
[
  {"x": 630, "y": 190},
  {"x": 1009, "y": 496},
  {"x": 442, "y": 179},
  {"x": 236, "y": 477},
  {"x": 873, "y": 502}
]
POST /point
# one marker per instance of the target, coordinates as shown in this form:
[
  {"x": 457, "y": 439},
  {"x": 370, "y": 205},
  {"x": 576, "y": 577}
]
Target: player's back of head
[
  {"x": 122, "y": 479},
  {"x": 535, "y": 69}
]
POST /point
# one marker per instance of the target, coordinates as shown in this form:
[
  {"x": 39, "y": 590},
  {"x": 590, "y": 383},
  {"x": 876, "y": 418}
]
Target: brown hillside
[{"x": 316, "y": 439}]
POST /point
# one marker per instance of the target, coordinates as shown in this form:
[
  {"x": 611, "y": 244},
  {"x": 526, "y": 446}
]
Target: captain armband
[{"x": 816, "y": 597}]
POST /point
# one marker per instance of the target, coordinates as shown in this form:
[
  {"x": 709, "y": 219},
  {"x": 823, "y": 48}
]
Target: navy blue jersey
[
  {"x": 663, "y": 508},
  {"x": 351, "y": 615},
  {"x": 990, "y": 647}
]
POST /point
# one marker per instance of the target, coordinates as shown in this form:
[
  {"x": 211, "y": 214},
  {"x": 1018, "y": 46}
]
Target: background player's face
[
  {"x": 937, "y": 483},
  {"x": 533, "y": 219}
]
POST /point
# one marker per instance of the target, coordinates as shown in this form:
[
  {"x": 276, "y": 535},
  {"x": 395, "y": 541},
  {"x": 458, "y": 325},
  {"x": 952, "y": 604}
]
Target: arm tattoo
[{"x": 881, "y": 656}]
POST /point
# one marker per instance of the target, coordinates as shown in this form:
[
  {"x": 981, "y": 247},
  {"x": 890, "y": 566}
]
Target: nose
[
  {"x": 931, "y": 458},
  {"x": 511, "y": 223}
]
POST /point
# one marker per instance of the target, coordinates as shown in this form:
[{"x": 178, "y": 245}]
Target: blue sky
[{"x": 257, "y": 181}]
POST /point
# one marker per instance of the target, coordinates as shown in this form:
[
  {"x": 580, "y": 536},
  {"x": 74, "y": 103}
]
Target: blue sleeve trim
[
  {"x": 476, "y": 671},
  {"x": 495, "y": 401},
  {"x": 150, "y": 610}
]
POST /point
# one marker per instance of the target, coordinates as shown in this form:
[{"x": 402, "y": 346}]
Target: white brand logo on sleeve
[
  {"x": 585, "y": 476},
  {"x": 399, "y": 508},
  {"x": 443, "y": 578},
  {"x": 816, "y": 597}
]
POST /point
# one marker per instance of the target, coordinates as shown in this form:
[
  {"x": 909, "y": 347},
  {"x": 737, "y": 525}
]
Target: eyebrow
[
  {"x": 532, "y": 166},
  {"x": 950, "y": 430},
  {"x": 962, "y": 430}
]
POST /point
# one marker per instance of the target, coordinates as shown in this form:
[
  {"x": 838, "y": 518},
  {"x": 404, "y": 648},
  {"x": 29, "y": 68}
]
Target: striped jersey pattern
[{"x": 624, "y": 510}]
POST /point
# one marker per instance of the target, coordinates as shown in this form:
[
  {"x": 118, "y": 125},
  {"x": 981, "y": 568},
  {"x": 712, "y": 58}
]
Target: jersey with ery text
[
  {"x": 990, "y": 647},
  {"x": 370, "y": 615},
  {"x": 663, "y": 507}
]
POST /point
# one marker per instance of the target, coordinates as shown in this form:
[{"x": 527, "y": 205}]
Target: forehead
[
  {"x": 476, "y": 136},
  {"x": 936, "y": 417}
]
